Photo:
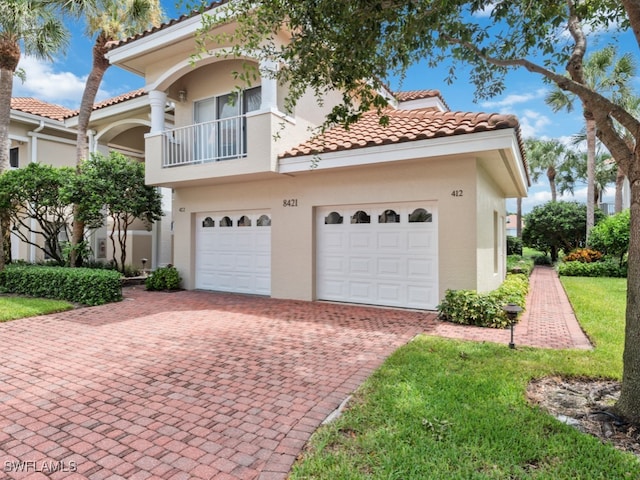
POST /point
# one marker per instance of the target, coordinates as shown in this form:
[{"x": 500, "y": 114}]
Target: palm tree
[
  {"x": 555, "y": 160},
  {"x": 28, "y": 25},
  {"x": 107, "y": 21},
  {"x": 606, "y": 74}
]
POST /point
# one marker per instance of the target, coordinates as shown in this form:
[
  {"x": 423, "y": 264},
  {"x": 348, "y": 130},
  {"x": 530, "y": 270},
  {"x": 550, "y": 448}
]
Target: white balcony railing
[{"x": 213, "y": 141}]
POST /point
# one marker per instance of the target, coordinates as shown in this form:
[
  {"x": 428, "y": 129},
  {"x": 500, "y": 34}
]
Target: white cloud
[
  {"x": 515, "y": 99},
  {"x": 532, "y": 123},
  {"x": 45, "y": 83}
]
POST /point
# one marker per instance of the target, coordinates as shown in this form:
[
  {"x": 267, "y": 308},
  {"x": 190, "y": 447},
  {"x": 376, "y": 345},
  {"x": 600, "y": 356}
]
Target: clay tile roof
[
  {"x": 409, "y": 95},
  {"x": 120, "y": 98},
  {"x": 111, "y": 101},
  {"x": 404, "y": 126},
  {"x": 40, "y": 108},
  {"x": 169, "y": 23}
]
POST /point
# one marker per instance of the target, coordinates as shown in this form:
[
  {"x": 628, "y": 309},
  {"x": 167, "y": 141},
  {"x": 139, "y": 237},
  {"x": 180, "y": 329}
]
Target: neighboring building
[
  {"x": 377, "y": 215},
  {"x": 512, "y": 225},
  {"x": 38, "y": 133},
  {"x": 45, "y": 133}
]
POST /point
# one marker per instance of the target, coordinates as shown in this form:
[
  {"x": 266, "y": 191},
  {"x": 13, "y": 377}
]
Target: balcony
[
  {"x": 213, "y": 141},
  {"x": 216, "y": 151}
]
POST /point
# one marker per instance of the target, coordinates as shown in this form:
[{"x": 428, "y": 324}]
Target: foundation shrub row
[
  {"x": 468, "y": 307},
  {"x": 77, "y": 285}
]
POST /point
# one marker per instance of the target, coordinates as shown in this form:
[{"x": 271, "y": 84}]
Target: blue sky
[{"x": 62, "y": 82}]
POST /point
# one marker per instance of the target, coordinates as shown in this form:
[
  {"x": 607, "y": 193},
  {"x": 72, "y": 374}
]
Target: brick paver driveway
[{"x": 183, "y": 385}]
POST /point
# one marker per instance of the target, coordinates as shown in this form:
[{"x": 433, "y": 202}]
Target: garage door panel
[
  {"x": 360, "y": 240},
  {"x": 389, "y": 240},
  {"x": 359, "y": 290},
  {"x": 262, "y": 263},
  {"x": 390, "y": 266},
  {"x": 420, "y": 240},
  {"x": 394, "y": 264},
  {"x": 420, "y": 268},
  {"x": 360, "y": 266},
  {"x": 335, "y": 265},
  {"x": 390, "y": 293},
  {"x": 234, "y": 258},
  {"x": 418, "y": 295},
  {"x": 333, "y": 239}
]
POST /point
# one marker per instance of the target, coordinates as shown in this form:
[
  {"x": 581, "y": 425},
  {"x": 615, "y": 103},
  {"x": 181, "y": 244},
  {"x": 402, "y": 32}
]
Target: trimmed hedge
[
  {"x": 607, "y": 268},
  {"x": 79, "y": 285},
  {"x": 164, "y": 278},
  {"x": 469, "y": 307}
]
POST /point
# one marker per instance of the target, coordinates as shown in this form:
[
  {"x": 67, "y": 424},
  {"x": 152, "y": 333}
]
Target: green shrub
[
  {"x": 542, "y": 260},
  {"x": 79, "y": 285},
  {"x": 469, "y": 307},
  {"x": 164, "y": 278},
  {"x": 514, "y": 245},
  {"x": 607, "y": 268}
]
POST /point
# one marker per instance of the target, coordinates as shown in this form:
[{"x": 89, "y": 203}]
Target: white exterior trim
[
  {"x": 164, "y": 37},
  {"x": 433, "y": 147}
]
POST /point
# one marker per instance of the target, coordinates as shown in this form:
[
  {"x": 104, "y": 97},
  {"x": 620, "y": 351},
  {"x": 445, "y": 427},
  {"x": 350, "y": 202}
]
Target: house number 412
[
  {"x": 290, "y": 202},
  {"x": 456, "y": 193}
]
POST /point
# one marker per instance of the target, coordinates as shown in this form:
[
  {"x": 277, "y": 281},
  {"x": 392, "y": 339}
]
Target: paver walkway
[
  {"x": 198, "y": 385},
  {"x": 547, "y": 322}
]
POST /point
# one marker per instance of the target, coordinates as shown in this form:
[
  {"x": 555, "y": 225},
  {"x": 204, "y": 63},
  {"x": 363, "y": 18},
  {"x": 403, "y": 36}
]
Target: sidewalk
[{"x": 547, "y": 322}]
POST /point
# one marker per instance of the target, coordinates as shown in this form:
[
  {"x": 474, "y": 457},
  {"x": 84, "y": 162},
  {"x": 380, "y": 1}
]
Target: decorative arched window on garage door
[
  {"x": 208, "y": 223},
  {"x": 420, "y": 215},
  {"x": 360, "y": 217},
  {"x": 264, "y": 221},
  {"x": 389, "y": 216},
  {"x": 333, "y": 218},
  {"x": 226, "y": 222},
  {"x": 244, "y": 221}
]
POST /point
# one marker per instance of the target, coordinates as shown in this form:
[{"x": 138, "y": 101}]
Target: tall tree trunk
[
  {"x": 591, "y": 171},
  {"x": 99, "y": 67},
  {"x": 551, "y": 175},
  {"x": 6, "y": 87},
  {"x": 519, "y": 217},
  {"x": 619, "y": 186},
  {"x": 628, "y": 405}
]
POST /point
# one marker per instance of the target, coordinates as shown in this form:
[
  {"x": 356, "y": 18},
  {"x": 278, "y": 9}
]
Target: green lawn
[
  {"x": 12, "y": 308},
  {"x": 444, "y": 409}
]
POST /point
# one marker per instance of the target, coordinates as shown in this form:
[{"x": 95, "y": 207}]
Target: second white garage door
[
  {"x": 379, "y": 255},
  {"x": 233, "y": 252}
]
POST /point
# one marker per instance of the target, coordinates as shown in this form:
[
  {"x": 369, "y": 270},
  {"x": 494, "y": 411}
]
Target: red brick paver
[
  {"x": 192, "y": 385},
  {"x": 547, "y": 322},
  {"x": 199, "y": 385}
]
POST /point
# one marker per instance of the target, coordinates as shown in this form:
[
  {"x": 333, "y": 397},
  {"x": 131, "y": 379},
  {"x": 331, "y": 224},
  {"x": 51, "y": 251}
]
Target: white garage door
[
  {"x": 233, "y": 252},
  {"x": 378, "y": 255}
]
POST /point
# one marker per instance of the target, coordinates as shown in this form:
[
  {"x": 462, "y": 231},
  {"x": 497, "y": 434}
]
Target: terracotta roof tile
[
  {"x": 112, "y": 101},
  {"x": 404, "y": 126},
  {"x": 40, "y": 108},
  {"x": 409, "y": 95},
  {"x": 120, "y": 98}
]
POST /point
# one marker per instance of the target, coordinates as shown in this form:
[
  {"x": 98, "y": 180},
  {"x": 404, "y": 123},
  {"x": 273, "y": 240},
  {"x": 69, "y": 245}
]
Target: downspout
[{"x": 34, "y": 159}]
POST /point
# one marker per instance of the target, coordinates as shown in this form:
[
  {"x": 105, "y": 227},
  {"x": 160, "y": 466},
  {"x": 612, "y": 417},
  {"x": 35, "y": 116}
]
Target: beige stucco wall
[
  {"x": 490, "y": 231},
  {"x": 293, "y": 236}
]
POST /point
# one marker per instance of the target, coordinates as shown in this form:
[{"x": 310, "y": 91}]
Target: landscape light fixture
[{"x": 512, "y": 310}]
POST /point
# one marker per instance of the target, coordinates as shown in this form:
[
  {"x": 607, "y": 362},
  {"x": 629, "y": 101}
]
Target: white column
[
  {"x": 268, "y": 69},
  {"x": 157, "y": 101}
]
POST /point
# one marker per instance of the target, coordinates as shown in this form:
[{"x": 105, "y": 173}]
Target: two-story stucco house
[{"x": 377, "y": 215}]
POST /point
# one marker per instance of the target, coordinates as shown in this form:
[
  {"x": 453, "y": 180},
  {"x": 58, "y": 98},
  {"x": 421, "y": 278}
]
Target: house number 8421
[{"x": 290, "y": 202}]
